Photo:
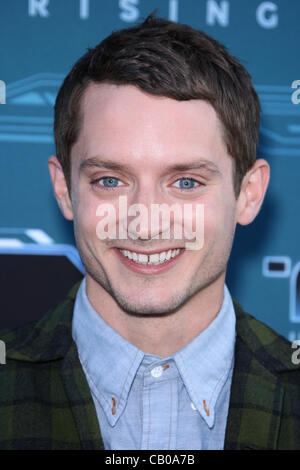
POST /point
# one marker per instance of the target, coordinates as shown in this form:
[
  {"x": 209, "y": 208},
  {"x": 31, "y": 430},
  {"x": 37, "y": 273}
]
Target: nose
[
  {"x": 144, "y": 220},
  {"x": 141, "y": 224}
]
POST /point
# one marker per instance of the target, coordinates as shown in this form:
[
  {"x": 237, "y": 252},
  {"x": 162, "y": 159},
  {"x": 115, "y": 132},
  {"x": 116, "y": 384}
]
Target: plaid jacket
[{"x": 45, "y": 401}]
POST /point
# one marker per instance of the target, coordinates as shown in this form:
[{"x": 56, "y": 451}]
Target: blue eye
[
  {"x": 186, "y": 183},
  {"x": 109, "y": 182}
]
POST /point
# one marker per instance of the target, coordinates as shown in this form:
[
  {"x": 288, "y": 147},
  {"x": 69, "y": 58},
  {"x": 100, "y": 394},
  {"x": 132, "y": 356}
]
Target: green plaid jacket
[{"x": 45, "y": 401}]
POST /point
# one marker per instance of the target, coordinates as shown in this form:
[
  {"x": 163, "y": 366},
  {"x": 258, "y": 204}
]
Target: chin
[
  {"x": 143, "y": 306},
  {"x": 147, "y": 310}
]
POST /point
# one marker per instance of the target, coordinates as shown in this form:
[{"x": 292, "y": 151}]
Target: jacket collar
[
  {"x": 47, "y": 339},
  {"x": 256, "y": 393}
]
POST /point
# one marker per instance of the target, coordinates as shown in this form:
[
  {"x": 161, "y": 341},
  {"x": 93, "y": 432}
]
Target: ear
[
  {"x": 253, "y": 190},
  {"x": 60, "y": 187}
]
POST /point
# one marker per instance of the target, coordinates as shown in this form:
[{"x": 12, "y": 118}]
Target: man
[{"x": 151, "y": 351}]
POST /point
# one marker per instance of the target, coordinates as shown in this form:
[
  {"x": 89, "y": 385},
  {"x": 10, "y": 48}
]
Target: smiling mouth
[{"x": 153, "y": 259}]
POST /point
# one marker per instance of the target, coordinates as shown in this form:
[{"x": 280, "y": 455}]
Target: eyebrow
[
  {"x": 196, "y": 165},
  {"x": 95, "y": 162}
]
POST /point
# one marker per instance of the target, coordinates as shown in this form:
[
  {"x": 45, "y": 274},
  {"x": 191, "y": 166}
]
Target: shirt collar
[
  {"x": 111, "y": 362},
  {"x": 206, "y": 362}
]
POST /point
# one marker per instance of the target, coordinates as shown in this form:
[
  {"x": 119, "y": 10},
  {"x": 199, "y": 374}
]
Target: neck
[{"x": 159, "y": 335}]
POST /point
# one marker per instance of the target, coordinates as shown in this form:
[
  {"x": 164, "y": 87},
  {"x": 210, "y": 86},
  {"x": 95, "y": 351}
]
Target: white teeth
[
  {"x": 155, "y": 258},
  {"x": 142, "y": 258}
]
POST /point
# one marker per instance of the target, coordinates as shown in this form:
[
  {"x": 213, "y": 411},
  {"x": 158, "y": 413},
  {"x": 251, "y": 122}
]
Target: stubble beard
[{"x": 202, "y": 279}]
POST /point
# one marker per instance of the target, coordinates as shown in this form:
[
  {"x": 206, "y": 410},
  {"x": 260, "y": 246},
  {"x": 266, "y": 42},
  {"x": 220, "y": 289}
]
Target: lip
[
  {"x": 148, "y": 269},
  {"x": 150, "y": 252}
]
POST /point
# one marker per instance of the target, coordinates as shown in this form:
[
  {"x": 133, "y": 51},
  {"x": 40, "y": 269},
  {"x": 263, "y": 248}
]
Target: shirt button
[
  {"x": 157, "y": 371},
  {"x": 193, "y": 406}
]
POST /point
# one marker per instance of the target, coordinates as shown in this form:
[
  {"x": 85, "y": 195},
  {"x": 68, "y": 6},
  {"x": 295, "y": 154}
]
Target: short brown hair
[{"x": 168, "y": 59}]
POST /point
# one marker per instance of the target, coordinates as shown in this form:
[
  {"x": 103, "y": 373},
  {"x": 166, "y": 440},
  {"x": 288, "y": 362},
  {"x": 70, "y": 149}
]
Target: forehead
[{"x": 126, "y": 124}]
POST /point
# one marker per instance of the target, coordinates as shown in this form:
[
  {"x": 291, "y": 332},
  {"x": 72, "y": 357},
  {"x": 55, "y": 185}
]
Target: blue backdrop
[{"x": 40, "y": 41}]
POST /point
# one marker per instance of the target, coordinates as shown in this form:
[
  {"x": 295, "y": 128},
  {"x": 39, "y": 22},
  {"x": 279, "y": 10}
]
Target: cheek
[
  {"x": 218, "y": 221},
  {"x": 85, "y": 218},
  {"x": 96, "y": 220}
]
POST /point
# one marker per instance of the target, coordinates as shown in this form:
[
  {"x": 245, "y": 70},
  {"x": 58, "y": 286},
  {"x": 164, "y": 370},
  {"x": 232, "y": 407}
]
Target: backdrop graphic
[{"x": 40, "y": 41}]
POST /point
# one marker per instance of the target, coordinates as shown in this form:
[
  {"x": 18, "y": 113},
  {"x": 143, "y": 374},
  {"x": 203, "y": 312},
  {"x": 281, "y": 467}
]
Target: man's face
[{"x": 152, "y": 150}]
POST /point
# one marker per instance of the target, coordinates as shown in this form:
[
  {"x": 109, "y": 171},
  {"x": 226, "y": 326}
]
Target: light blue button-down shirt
[{"x": 148, "y": 402}]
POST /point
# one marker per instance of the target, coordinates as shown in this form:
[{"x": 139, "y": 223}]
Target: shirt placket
[{"x": 160, "y": 406}]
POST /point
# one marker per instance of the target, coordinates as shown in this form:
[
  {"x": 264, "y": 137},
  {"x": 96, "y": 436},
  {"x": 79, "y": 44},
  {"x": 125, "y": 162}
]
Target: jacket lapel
[
  {"x": 81, "y": 402},
  {"x": 256, "y": 398},
  {"x": 50, "y": 339},
  {"x": 77, "y": 388}
]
